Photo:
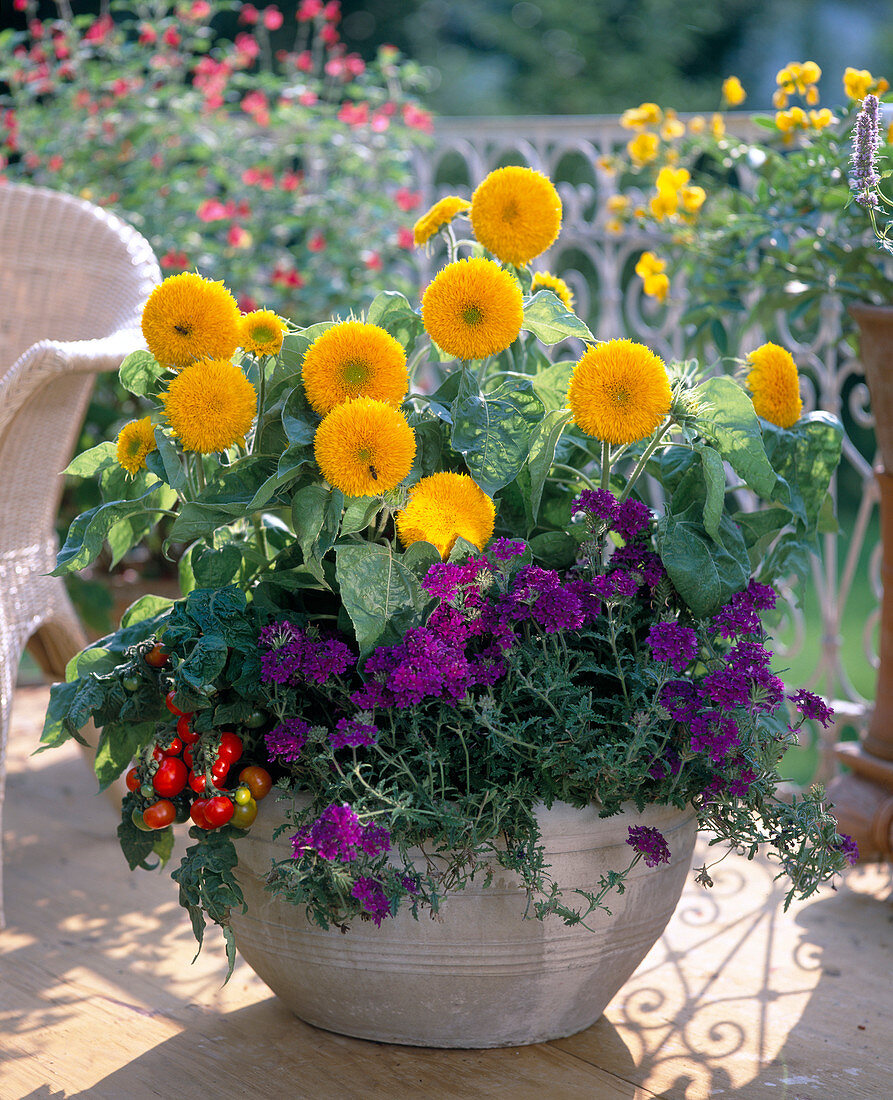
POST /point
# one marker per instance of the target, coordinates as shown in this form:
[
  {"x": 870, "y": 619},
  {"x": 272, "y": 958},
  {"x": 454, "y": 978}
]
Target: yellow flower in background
[
  {"x": 439, "y": 215},
  {"x": 262, "y": 332},
  {"x": 800, "y": 79},
  {"x": 607, "y": 165},
  {"x": 664, "y": 204},
  {"x": 638, "y": 118},
  {"x": 516, "y": 214},
  {"x": 795, "y": 118},
  {"x": 210, "y": 406},
  {"x": 617, "y": 204},
  {"x": 643, "y": 148},
  {"x": 717, "y": 126},
  {"x": 353, "y": 359},
  {"x": 820, "y": 119},
  {"x": 619, "y": 392},
  {"x": 697, "y": 125},
  {"x": 672, "y": 179},
  {"x": 544, "y": 280},
  {"x": 187, "y": 318},
  {"x": 774, "y": 385},
  {"x": 443, "y": 508},
  {"x": 693, "y": 199},
  {"x": 364, "y": 447},
  {"x": 473, "y": 308},
  {"x": 650, "y": 270},
  {"x": 135, "y": 441},
  {"x": 733, "y": 92},
  {"x": 890, "y": 134},
  {"x": 857, "y": 83},
  {"x": 671, "y": 127}
]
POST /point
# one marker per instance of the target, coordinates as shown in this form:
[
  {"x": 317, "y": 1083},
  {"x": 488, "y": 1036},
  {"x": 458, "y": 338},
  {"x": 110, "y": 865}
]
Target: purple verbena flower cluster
[
  {"x": 813, "y": 707},
  {"x": 739, "y": 616},
  {"x": 337, "y": 834},
  {"x": 292, "y": 656},
  {"x": 285, "y": 741},
  {"x": 370, "y": 894},
  {"x": 674, "y": 643},
  {"x": 649, "y": 843},
  {"x": 351, "y": 734},
  {"x": 849, "y": 848},
  {"x": 865, "y": 177}
]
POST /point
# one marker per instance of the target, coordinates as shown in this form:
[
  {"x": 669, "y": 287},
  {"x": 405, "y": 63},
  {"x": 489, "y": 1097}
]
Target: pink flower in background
[
  {"x": 407, "y": 200},
  {"x": 148, "y": 35},
  {"x": 247, "y": 304},
  {"x": 308, "y": 9},
  {"x": 417, "y": 118},
  {"x": 405, "y": 238},
  {"x": 372, "y": 260},
  {"x": 249, "y": 14},
  {"x": 212, "y": 210},
  {"x": 317, "y": 243},
  {"x": 175, "y": 259},
  {"x": 238, "y": 237},
  {"x": 291, "y": 181},
  {"x": 273, "y": 19},
  {"x": 329, "y": 35},
  {"x": 307, "y": 99},
  {"x": 171, "y": 37}
]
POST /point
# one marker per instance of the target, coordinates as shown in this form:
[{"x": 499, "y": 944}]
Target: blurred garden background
[{"x": 280, "y": 151}]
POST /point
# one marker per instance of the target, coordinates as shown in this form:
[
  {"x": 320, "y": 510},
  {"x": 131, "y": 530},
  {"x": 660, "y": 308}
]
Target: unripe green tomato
[
  {"x": 137, "y": 818},
  {"x": 131, "y": 683},
  {"x": 182, "y": 812},
  {"x": 148, "y": 791},
  {"x": 255, "y": 719},
  {"x": 244, "y": 814},
  {"x": 242, "y": 796}
]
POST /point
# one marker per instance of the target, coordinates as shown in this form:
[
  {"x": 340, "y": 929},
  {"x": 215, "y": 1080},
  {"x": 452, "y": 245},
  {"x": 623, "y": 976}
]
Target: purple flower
[
  {"x": 865, "y": 176},
  {"x": 673, "y": 643},
  {"x": 648, "y": 843},
  {"x": 285, "y": 741},
  {"x": 849, "y": 848},
  {"x": 292, "y": 655},
  {"x": 761, "y": 596},
  {"x": 350, "y": 734},
  {"x": 749, "y": 658},
  {"x": 409, "y": 884},
  {"x": 334, "y": 835},
  {"x": 633, "y": 517},
  {"x": 682, "y": 699},
  {"x": 728, "y": 687},
  {"x": 599, "y": 503},
  {"x": 713, "y": 734},
  {"x": 447, "y": 580},
  {"x": 375, "y": 840},
  {"x": 371, "y": 896},
  {"x": 505, "y": 549},
  {"x": 538, "y": 594},
  {"x": 811, "y": 706},
  {"x": 739, "y": 616}
]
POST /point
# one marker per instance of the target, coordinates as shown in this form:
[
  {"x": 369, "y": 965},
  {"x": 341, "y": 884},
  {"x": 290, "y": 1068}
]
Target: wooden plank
[{"x": 98, "y": 996}]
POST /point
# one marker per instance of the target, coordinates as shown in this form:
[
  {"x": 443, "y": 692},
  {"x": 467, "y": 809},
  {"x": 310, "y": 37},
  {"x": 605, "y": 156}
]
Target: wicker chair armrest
[{"x": 48, "y": 359}]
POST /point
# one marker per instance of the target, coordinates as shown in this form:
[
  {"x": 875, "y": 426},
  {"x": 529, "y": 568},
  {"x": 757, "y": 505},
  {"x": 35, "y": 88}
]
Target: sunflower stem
[
  {"x": 578, "y": 475},
  {"x": 261, "y": 395},
  {"x": 646, "y": 454},
  {"x": 606, "y": 464},
  {"x": 260, "y": 534},
  {"x": 199, "y": 473}
]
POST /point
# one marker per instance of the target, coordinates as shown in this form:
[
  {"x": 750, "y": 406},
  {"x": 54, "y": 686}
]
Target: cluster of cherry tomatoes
[{"x": 180, "y": 779}]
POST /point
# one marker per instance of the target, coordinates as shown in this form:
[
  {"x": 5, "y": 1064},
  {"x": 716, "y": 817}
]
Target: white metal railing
[{"x": 598, "y": 266}]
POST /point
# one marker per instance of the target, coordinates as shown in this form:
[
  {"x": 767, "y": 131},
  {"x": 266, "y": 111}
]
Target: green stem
[
  {"x": 261, "y": 395},
  {"x": 646, "y": 454},
  {"x": 260, "y": 534},
  {"x": 577, "y": 474},
  {"x": 606, "y": 464},
  {"x": 199, "y": 472}
]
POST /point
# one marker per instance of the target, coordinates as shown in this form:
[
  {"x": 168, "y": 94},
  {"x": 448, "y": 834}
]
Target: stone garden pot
[{"x": 480, "y": 975}]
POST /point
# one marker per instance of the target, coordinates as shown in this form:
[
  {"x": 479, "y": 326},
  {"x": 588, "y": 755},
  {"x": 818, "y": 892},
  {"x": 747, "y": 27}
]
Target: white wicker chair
[{"x": 73, "y": 282}]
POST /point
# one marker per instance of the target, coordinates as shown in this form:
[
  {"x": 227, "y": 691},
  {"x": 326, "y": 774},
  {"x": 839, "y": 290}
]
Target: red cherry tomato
[
  {"x": 174, "y": 748},
  {"x": 198, "y": 782},
  {"x": 157, "y": 656},
  {"x": 188, "y": 758},
  {"x": 157, "y": 754},
  {"x": 171, "y": 777},
  {"x": 173, "y": 708},
  {"x": 160, "y": 814},
  {"x": 197, "y": 813},
  {"x": 230, "y": 747},
  {"x": 257, "y": 780},
  {"x": 218, "y": 771},
  {"x": 132, "y": 780},
  {"x": 184, "y": 731},
  {"x": 218, "y": 811}
]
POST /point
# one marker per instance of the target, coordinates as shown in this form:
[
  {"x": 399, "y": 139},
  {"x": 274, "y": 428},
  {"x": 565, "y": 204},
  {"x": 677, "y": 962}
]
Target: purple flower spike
[
  {"x": 649, "y": 843},
  {"x": 373, "y": 899}
]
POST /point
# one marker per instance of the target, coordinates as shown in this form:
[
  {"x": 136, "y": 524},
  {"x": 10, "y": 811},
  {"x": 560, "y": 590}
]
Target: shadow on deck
[{"x": 98, "y": 997}]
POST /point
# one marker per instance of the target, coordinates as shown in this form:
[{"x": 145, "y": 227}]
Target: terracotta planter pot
[{"x": 481, "y": 976}]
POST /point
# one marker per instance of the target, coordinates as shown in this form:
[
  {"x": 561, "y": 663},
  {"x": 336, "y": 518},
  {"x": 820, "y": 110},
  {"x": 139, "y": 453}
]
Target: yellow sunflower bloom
[
  {"x": 440, "y": 214},
  {"x": 135, "y": 441},
  {"x": 543, "y": 280},
  {"x": 516, "y": 214},
  {"x": 733, "y": 92},
  {"x": 210, "y": 405},
  {"x": 619, "y": 392},
  {"x": 443, "y": 508},
  {"x": 188, "y": 318},
  {"x": 364, "y": 447},
  {"x": 774, "y": 385},
  {"x": 262, "y": 332},
  {"x": 473, "y": 308},
  {"x": 353, "y": 359}
]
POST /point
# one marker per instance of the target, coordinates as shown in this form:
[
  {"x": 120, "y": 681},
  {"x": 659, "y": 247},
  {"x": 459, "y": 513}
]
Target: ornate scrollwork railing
[{"x": 598, "y": 266}]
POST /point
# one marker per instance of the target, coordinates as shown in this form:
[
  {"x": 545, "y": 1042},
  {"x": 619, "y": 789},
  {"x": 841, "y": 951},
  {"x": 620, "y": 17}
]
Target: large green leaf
[
  {"x": 93, "y": 461},
  {"x": 806, "y": 456},
  {"x": 542, "y": 452},
  {"x": 205, "y": 663},
  {"x": 380, "y": 594},
  {"x": 119, "y": 742},
  {"x": 492, "y": 431},
  {"x": 88, "y": 531},
  {"x": 550, "y": 321},
  {"x": 727, "y": 419},
  {"x": 705, "y": 571},
  {"x": 226, "y": 498},
  {"x": 359, "y": 513},
  {"x": 715, "y": 484},
  {"x": 392, "y": 312},
  {"x": 140, "y": 373},
  {"x": 298, "y": 419},
  {"x": 551, "y": 384},
  {"x": 168, "y": 459}
]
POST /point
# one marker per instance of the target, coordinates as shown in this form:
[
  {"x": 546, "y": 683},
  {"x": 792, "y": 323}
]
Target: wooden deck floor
[{"x": 98, "y": 998}]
